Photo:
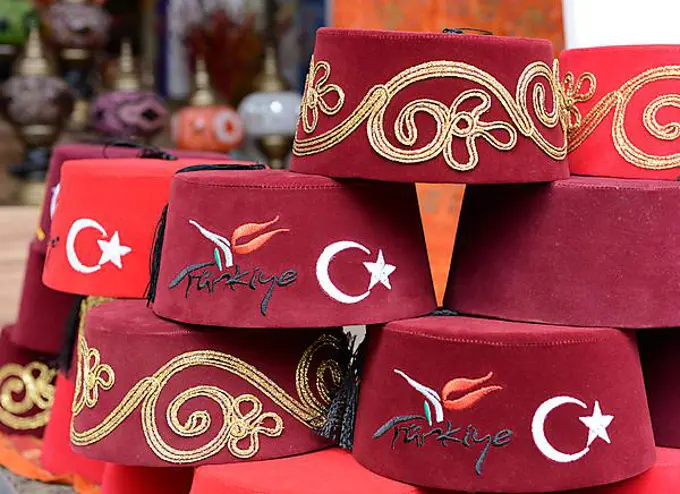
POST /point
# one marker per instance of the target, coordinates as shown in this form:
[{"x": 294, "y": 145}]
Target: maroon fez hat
[
  {"x": 43, "y": 312},
  {"x": 659, "y": 351},
  {"x": 331, "y": 471},
  {"x": 481, "y": 405},
  {"x": 582, "y": 252},
  {"x": 276, "y": 249},
  {"x": 26, "y": 387},
  {"x": 150, "y": 392},
  {"x": 425, "y": 107}
]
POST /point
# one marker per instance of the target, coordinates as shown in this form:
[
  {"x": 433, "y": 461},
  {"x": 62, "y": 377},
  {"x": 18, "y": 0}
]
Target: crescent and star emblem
[
  {"x": 112, "y": 250},
  {"x": 379, "y": 270},
  {"x": 596, "y": 423}
]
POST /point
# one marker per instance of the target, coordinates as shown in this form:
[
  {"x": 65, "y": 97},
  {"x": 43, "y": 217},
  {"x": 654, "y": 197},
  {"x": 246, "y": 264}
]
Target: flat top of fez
[
  {"x": 266, "y": 179},
  {"x": 462, "y": 329},
  {"x": 129, "y": 167},
  {"x": 480, "y": 40},
  {"x": 133, "y": 317}
]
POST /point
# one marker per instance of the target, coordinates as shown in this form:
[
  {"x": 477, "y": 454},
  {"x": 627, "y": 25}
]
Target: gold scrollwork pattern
[
  {"x": 316, "y": 93},
  {"x": 23, "y": 389},
  {"x": 242, "y": 418},
  {"x": 618, "y": 101},
  {"x": 452, "y": 122}
]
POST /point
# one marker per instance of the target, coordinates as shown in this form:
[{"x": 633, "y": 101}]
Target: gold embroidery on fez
[
  {"x": 35, "y": 382},
  {"x": 452, "y": 122},
  {"x": 237, "y": 426},
  {"x": 91, "y": 373},
  {"x": 315, "y": 94},
  {"x": 618, "y": 100}
]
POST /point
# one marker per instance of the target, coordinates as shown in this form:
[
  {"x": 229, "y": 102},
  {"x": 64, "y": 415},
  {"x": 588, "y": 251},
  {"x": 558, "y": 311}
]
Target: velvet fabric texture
[
  {"x": 482, "y": 405},
  {"x": 275, "y": 249},
  {"x": 103, "y": 230},
  {"x": 332, "y": 471},
  {"x": 621, "y": 102},
  {"x": 57, "y": 456},
  {"x": 26, "y": 387},
  {"x": 422, "y": 107},
  {"x": 230, "y": 395},
  {"x": 582, "y": 252},
  {"x": 121, "y": 479},
  {"x": 661, "y": 368},
  {"x": 42, "y": 312}
]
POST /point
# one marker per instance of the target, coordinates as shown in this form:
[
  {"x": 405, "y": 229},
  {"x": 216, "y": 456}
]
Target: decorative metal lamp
[
  {"x": 16, "y": 18},
  {"x": 205, "y": 125},
  {"x": 78, "y": 29},
  {"x": 128, "y": 111},
  {"x": 37, "y": 103},
  {"x": 270, "y": 114}
]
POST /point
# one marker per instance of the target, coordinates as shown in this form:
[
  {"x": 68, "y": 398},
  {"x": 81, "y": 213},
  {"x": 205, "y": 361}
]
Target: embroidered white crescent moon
[
  {"x": 112, "y": 250},
  {"x": 379, "y": 270},
  {"x": 597, "y": 427}
]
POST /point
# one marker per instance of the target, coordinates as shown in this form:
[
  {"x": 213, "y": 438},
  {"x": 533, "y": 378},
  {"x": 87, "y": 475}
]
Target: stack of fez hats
[{"x": 209, "y": 353}]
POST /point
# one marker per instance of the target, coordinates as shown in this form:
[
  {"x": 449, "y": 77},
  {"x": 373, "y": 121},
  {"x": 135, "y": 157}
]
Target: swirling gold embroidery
[
  {"x": 451, "y": 120},
  {"x": 316, "y": 91},
  {"x": 618, "y": 100},
  {"x": 573, "y": 92},
  {"x": 237, "y": 426},
  {"x": 35, "y": 382}
]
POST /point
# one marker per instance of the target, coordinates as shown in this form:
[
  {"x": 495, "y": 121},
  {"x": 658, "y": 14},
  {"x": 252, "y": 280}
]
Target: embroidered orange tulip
[
  {"x": 251, "y": 229},
  {"x": 465, "y": 385}
]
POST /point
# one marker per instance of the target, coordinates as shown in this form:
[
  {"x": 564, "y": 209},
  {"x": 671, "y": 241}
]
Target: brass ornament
[
  {"x": 618, "y": 101},
  {"x": 127, "y": 78},
  {"x": 452, "y": 122},
  {"x": 203, "y": 94}
]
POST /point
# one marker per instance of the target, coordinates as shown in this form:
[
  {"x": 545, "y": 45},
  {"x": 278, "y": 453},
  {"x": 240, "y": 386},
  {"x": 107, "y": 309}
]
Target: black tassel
[
  {"x": 70, "y": 336},
  {"x": 146, "y": 151},
  {"x": 341, "y": 416},
  {"x": 155, "y": 260},
  {"x": 443, "y": 312},
  {"x": 465, "y": 30},
  {"x": 233, "y": 167}
]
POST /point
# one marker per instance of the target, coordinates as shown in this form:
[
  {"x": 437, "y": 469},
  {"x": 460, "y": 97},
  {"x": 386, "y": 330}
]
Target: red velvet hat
[
  {"x": 245, "y": 249},
  {"x": 43, "y": 313},
  {"x": 622, "y": 105},
  {"x": 67, "y": 152},
  {"x": 659, "y": 350},
  {"x": 422, "y": 107},
  {"x": 121, "y": 479},
  {"x": 150, "y": 392},
  {"x": 491, "y": 406},
  {"x": 26, "y": 387},
  {"x": 56, "y": 455},
  {"x": 332, "y": 471},
  {"x": 103, "y": 228},
  {"x": 582, "y": 252}
]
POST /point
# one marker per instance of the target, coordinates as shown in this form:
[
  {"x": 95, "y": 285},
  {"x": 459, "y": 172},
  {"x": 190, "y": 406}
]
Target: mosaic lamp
[
  {"x": 128, "y": 111},
  {"x": 36, "y": 103},
  {"x": 205, "y": 124},
  {"x": 16, "y": 17},
  {"x": 78, "y": 30}
]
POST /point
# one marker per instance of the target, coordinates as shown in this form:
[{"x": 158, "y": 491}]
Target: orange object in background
[{"x": 440, "y": 204}]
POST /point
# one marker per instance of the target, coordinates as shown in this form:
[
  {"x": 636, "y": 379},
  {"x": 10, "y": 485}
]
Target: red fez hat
[
  {"x": 422, "y": 107},
  {"x": 245, "y": 249},
  {"x": 491, "y": 406},
  {"x": 620, "y": 102},
  {"x": 561, "y": 253},
  {"x": 659, "y": 350},
  {"x": 26, "y": 387},
  {"x": 331, "y": 471},
  {"x": 103, "y": 228},
  {"x": 68, "y": 152},
  {"x": 57, "y": 456},
  {"x": 43, "y": 313},
  {"x": 122, "y": 479},
  {"x": 150, "y": 392}
]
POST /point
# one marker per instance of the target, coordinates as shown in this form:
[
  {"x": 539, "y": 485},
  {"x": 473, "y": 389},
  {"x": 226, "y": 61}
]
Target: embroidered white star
[
  {"x": 597, "y": 425},
  {"x": 380, "y": 271},
  {"x": 112, "y": 251}
]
